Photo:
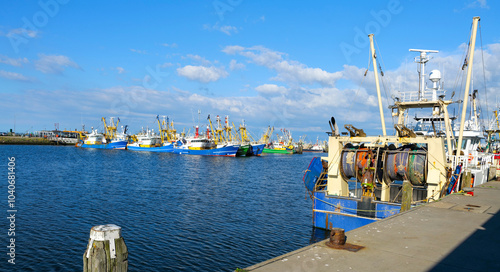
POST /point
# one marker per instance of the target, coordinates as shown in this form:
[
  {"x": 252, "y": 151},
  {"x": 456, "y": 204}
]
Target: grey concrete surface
[{"x": 457, "y": 233}]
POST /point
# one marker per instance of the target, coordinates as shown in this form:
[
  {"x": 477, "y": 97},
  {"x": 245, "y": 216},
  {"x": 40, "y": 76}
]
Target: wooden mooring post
[
  {"x": 106, "y": 250},
  {"x": 407, "y": 196},
  {"x": 466, "y": 179}
]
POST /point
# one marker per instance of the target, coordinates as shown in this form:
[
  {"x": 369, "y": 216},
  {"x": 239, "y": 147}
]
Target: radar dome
[{"x": 435, "y": 76}]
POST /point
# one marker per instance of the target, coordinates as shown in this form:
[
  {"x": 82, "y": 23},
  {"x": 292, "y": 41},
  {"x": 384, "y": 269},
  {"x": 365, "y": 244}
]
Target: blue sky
[{"x": 287, "y": 64}]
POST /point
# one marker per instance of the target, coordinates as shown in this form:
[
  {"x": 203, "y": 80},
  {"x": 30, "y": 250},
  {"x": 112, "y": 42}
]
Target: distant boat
[
  {"x": 149, "y": 141},
  {"x": 279, "y": 148},
  {"x": 314, "y": 148},
  {"x": 98, "y": 140},
  {"x": 283, "y": 145},
  {"x": 110, "y": 140},
  {"x": 201, "y": 145},
  {"x": 256, "y": 149},
  {"x": 243, "y": 150},
  {"x": 206, "y": 147}
]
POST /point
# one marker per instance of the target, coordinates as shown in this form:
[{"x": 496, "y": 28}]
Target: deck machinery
[
  {"x": 363, "y": 175},
  {"x": 362, "y": 178}
]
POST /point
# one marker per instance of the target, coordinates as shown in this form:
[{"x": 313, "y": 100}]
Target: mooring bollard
[{"x": 106, "y": 250}]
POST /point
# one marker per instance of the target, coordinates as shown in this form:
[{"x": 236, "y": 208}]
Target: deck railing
[{"x": 413, "y": 96}]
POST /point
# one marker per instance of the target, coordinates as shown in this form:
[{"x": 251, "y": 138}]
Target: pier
[
  {"x": 457, "y": 233},
  {"x": 17, "y": 140}
]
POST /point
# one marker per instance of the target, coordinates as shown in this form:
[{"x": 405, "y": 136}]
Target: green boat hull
[
  {"x": 278, "y": 151},
  {"x": 243, "y": 150}
]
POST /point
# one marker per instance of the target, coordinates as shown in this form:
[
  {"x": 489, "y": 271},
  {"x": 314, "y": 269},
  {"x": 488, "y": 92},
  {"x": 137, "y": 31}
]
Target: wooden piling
[
  {"x": 407, "y": 196},
  {"x": 466, "y": 179},
  {"x": 106, "y": 250},
  {"x": 492, "y": 173}
]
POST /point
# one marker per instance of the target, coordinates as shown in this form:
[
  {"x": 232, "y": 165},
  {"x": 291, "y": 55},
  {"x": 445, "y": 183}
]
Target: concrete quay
[{"x": 457, "y": 233}]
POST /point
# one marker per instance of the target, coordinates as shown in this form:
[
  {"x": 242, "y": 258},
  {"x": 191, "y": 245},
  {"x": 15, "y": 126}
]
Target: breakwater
[{"x": 17, "y": 140}]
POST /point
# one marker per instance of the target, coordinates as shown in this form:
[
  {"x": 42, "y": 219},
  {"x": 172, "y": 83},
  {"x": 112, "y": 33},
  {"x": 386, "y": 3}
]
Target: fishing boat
[
  {"x": 368, "y": 178},
  {"x": 314, "y": 148},
  {"x": 204, "y": 145},
  {"x": 282, "y": 146},
  {"x": 146, "y": 140},
  {"x": 149, "y": 141},
  {"x": 243, "y": 150},
  {"x": 110, "y": 140},
  {"x": 227, "y": 135},
  {"x": 256, "y": 149},
  {"x": 278, "y": 148},
  {"x": 249, "y": 147}
]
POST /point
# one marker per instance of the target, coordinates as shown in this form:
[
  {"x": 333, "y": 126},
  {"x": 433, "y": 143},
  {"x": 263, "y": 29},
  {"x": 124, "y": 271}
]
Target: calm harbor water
[{"x": 177, "y": 213}]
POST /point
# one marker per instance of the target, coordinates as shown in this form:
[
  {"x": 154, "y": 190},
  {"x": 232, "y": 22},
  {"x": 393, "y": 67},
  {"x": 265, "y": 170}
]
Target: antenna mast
[{"x": 422, "y": 60}]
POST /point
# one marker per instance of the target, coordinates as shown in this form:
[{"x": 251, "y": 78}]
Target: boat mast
[
  {"x": 375, "y": 70},
  {"x": 421, "y": 74},
  {"x": 470, "y": 61}
]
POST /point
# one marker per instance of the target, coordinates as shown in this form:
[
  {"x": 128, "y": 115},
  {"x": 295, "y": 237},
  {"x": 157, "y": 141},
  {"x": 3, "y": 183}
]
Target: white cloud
[
  {"x": 54, "y": 64},
  {"x": 474, "y": 5},
  {"x": 171, "y": 45},
  {"x": 199, "y": 59},
  {"x": 22, "y": 31},
  {"x": 120, "y": 70},
  {"x": 202, "y": 73},
  {"x": 226, "y": 29},
  {"x": 270, "y": 89},
  {"x": 138, "y": 51},
  {"x": 14, "y": 76},
  {"x": 166, "y": 64},
  {"x": 292, "y": 72},
  {"x": 233, "y": 49},
  {"x": 234, "y": 65},
  {"x": 14, "y": 62}
]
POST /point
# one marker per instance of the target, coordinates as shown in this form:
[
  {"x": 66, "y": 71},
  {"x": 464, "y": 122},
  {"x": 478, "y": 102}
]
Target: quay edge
[{"x": 457, "y": 233}]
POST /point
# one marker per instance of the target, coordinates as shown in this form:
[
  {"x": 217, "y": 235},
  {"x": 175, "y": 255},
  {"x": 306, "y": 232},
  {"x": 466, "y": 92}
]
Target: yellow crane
[
  {"x": 167, "y": 130},
  {"x": 227, "y": 129},
  {"x": 214, "y": 133},
  {"x": 110, "y": 129},
  {"x": 267, "y": 135},
  {"x": 243, "y": 133}
]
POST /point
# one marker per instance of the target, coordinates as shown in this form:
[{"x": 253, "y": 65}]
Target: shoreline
[{"x": 17, "y": 140}]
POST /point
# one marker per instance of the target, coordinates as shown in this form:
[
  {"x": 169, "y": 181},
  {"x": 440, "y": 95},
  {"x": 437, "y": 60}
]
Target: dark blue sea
[{"x": 177, "y": 212}]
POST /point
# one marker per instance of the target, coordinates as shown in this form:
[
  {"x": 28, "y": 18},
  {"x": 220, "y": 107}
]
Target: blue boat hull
[
  {"x": 113, "y": 145},
  {"x": 229, "y": 151},
  {"x": 168, "y": 148},
  {"x": 257, "y": 149},
  {"x": 348, "y": 213},
  {"x": 312, "y": 174}
]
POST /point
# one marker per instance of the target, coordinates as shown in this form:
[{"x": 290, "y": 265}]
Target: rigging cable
[{"x": 484, "y": 73}]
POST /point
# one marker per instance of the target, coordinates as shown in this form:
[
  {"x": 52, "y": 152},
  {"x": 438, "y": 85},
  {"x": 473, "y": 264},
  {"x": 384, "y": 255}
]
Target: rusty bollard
[
  {"x": 337, "y": 241},
  {"x": 337, "y": 238}
]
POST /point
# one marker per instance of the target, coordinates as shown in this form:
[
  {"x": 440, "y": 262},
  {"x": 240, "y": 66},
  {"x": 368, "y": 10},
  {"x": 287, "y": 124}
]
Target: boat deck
[{"x": 457, "y": 233}]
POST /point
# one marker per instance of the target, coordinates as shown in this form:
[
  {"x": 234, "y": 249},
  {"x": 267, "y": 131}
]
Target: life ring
[{"x": 470, "y": 157}]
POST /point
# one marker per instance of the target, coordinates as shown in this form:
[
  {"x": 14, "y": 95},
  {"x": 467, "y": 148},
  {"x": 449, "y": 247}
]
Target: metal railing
[{"x": 414, "y": 96}]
